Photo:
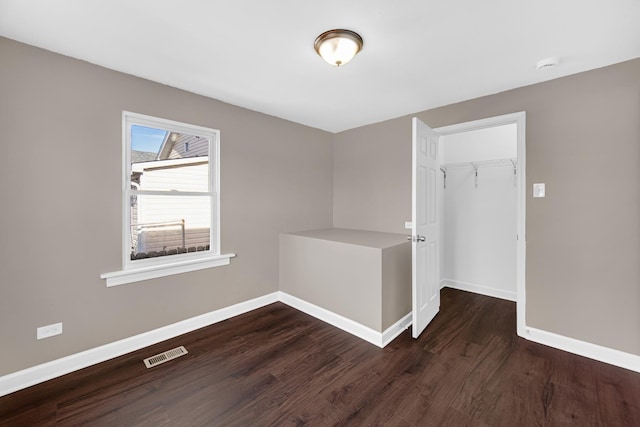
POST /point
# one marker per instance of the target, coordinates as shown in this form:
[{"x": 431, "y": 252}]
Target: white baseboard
[
  {"x": 583, "y": 348},
  {"x": 379, "y": 339},
  {"x": 46, "y": 371},
  {"x": 561, "y": 342},
  {"x": 341, "y": 322},
  {"x": 396, "y": 329},
  {"x": 55, "y": 368},
  {"x": 479, "y": 289}
]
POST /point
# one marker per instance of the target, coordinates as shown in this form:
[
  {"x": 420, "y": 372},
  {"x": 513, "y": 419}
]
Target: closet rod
[
  {"x": 477, "y": 165},
  {"x": 496, "y": 162}
]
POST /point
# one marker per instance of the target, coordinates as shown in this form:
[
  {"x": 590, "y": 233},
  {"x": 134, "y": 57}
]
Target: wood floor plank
[
  {"x": 309, "y": 409},
  {"x": 38, "y": 415},
  {"x": 276, "y": 366}
]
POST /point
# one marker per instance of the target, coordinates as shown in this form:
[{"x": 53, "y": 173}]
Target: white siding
[
  {"x": 160, "y": 216},
  {"x": 198, "y": 146},
  {"x": 176, "y": 178},
  {"x": 195, "y": 210}
]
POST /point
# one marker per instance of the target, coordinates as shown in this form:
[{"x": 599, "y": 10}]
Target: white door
[{"x": 425, "y": 242}]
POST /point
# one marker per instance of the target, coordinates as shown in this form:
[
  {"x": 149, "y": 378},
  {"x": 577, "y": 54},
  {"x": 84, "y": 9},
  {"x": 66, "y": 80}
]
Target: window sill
[{"x": 152, "y": 272}]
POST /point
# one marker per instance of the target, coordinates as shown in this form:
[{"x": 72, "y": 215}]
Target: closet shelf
[
  {"x": 482, "y": 163},
  {"x": 477, "y": 165}
]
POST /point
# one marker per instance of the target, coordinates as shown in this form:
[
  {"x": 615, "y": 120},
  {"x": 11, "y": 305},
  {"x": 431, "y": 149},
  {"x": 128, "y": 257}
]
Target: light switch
[{"x": 538, "y": 190}]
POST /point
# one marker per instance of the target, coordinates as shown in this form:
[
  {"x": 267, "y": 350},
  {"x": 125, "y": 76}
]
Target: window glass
[
  {"x": 163, "y": 225},
  {"x": 171, "y": 193},
  {"x": 168, "y": 161}
]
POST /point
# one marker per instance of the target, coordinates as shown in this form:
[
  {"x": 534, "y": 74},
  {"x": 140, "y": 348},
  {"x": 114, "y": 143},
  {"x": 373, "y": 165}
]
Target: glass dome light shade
[{"x": 337, "y": 47}]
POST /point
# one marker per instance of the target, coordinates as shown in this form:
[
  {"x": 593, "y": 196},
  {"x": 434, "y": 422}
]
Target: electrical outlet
[{"x": 49, "y": 331}]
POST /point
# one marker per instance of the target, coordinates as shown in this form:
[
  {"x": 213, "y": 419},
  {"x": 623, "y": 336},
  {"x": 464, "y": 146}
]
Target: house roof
[
  {"x": 418, "y": 54},
  {"x": 168, "y": 164},
  {"x": 142, "y": 156}
]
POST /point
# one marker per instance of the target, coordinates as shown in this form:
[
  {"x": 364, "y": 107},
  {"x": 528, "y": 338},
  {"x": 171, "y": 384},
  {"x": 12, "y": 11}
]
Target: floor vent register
[{"x": 158, "y": 359}]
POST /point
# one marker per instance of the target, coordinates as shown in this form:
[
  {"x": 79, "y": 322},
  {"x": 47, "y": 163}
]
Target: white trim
[
  {"x": 380, "y": 339},
  {"x": 583, "y": 348},
  {"x": 122, "y": 277},
  {"x": 213, "y": 135},
  {"x": 55, "y": 368},
  {"x": 341, "y": 322},
  {"x": 479, "y": 289},
  {"x": 25, "y": 378},
  {"x": 164, "y": 193},
  {"x": 396, "y": 329},
  {"x": 519, "y": 119},
  {"x": 161, "y": 164}
]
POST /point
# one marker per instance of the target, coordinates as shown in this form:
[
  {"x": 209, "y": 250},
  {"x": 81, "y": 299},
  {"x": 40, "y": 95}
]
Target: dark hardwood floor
[{"x": 277, "y": 366}]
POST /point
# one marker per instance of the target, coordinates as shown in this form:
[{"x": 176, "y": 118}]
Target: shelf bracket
[{"x": 475, "y": 166}]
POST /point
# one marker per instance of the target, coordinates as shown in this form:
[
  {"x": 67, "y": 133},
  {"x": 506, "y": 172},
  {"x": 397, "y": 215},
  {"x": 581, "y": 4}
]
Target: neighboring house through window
[{"x": 170, "y": 198}]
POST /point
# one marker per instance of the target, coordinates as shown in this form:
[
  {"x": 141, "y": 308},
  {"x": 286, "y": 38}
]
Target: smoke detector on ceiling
[{"x": 548, "y": 63}]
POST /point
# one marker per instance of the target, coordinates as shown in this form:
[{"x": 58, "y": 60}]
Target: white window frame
[{"x": 149, "y": 268}]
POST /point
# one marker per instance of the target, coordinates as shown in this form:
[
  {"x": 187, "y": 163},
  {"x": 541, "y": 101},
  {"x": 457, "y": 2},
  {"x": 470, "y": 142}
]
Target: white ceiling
[{"x": 258, "y": 54}]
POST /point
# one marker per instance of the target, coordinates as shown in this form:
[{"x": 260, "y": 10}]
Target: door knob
[{"x": 421, "y": 238}]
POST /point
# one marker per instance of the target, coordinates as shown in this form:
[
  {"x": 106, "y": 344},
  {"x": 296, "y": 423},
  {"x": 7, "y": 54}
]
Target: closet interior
[{"x": 479, "y": 208}]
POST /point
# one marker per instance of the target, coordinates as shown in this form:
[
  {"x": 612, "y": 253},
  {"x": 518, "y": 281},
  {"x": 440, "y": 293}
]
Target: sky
[{"x": 146, "y": 139}]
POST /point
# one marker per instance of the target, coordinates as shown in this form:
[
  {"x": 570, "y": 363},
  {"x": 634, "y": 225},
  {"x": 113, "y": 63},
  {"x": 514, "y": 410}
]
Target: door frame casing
[{"x": 519, "y": 118}]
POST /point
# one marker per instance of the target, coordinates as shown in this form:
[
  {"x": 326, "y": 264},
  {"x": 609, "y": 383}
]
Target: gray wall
[
  {"x": 363, "y": 276},
  {"x": 583, "y": 239},
  {"x": 60, "y": 220},
  {"x": 343, "y": 278}
]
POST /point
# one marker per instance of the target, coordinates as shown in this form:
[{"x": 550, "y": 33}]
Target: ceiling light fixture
[{"x": 338, "y": 47}]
